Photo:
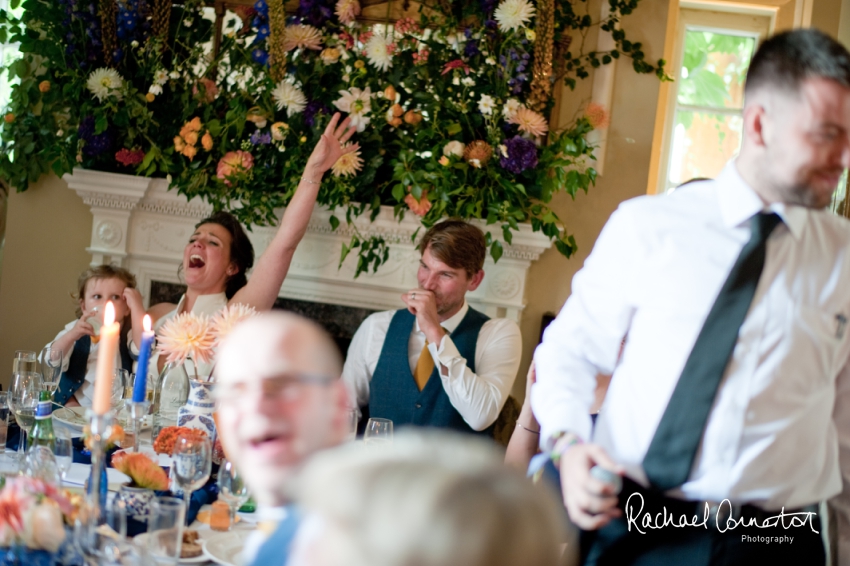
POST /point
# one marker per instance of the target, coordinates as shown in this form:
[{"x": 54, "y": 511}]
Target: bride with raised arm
[{"x": 219, "y": 253}]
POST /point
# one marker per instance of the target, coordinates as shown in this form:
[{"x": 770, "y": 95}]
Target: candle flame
[
  {"x": 146, "y": 323},
  {"x": 109, "y": 314}
]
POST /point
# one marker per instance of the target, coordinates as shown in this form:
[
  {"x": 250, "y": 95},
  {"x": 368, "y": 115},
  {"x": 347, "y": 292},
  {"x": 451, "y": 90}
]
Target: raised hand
[{"x": 329, "y": 149}]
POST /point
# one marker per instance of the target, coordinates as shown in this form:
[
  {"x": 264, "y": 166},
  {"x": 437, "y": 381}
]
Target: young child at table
[{"x": 78, "y": 340}]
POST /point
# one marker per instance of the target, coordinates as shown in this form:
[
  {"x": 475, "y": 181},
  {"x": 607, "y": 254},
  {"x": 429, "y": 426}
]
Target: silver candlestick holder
[
  {"x": 100, "y": 429},
  {"x": 138, "y": 410}
]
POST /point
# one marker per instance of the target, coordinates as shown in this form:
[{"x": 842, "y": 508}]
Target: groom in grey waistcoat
[{"x": 437, "y": 362}]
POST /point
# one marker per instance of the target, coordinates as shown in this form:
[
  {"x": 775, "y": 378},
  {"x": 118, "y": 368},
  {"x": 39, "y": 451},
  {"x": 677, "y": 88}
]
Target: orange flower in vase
[
  {"x": 144, "y": 472},
  {"x": 234, "y": 162}
]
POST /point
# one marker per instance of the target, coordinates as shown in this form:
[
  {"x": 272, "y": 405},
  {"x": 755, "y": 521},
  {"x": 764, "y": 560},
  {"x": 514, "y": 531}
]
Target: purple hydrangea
[
  {"x": 315, "y": 12},
  {"x": 95, "y": 144},
  {"x": 260, "y": 138},
  {"x": 522, "y": 155},
  {"x": 312, "y": 109}
]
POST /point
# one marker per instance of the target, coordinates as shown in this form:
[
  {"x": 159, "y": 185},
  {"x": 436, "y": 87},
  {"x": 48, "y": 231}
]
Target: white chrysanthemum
[
  {"x": 486, "y": 104},
  {"x": 378, "y": 53},
  {"x": 357, "y": 103},
  {"x": 288, "y": 96},
  {"x": 185, "y": 336},
  {"x": 227, "y": 318},
  {"x": 513, "y": 14},
  {"x": 511, "y": 107},
  {"x": 105, "y": 82},
  {"x": 348, "y": 164},
  {"x": 160, "y": 77}
]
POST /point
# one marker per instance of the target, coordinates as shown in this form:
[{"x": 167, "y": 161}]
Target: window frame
[{"x": 755, "y": 22}]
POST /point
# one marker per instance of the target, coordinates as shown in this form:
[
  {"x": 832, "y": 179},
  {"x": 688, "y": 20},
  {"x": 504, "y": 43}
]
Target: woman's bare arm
[{"x": 271, "y": 269}]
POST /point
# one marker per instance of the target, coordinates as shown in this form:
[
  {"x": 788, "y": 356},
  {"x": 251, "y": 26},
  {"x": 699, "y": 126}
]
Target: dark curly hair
[{"x": 241, "y": 250}]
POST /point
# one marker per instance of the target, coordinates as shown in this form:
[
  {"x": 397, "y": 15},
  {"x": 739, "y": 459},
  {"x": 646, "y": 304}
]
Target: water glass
[
  {"x": 23, "y": 400},
  {"x": 232, "y": 488},
  {"x": 64, "y": 452},
  {"x": 120, "y": 380},
  {"x": 351, "y": 422},
  {"x": 165, "y": 529},
  {"x": 4, "y": 419},
  {"x": 191, "y": 463},
  {"x": 24, "y": 361},
  {"x": 379, "y": 432}
]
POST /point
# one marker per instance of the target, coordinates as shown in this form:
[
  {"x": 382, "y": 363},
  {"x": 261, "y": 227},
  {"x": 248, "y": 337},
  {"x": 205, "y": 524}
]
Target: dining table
[{"x": 220, "y": 547}]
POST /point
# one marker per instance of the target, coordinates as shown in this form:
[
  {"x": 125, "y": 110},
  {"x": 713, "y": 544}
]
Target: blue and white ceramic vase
[
  {"x": 199, "y": 408},
  {"x": 137, "y": 501}
]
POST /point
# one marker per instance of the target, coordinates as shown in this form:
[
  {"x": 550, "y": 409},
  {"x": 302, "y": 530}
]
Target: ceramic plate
[
  {"x": 226, "y": 548},
  {"x": 74, "y": 417},
  {"x": 142, "y": 540}
]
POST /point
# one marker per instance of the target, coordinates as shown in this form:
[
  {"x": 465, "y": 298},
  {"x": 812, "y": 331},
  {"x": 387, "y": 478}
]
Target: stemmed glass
[
  {"x": 23, "y": 401},
  {"x": 192, "y": 464},
  {"x": 64, "y": 452},
  {"x": 51, "y": 367},
  {"x": 379, "y": 432},
  {"x": 232, "y": 488}
]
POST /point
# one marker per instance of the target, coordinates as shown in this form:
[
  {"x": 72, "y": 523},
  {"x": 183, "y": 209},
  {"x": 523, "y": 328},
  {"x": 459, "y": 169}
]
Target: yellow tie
[{"x": 424, "y": 367}]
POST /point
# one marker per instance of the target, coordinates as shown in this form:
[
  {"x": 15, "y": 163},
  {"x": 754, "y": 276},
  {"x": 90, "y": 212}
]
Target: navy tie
[{"x": 671, "y": 453}]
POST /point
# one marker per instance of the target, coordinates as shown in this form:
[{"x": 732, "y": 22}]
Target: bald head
[
  {"x": 280, "y": 399},
  {"x": 275, "y": 343}
]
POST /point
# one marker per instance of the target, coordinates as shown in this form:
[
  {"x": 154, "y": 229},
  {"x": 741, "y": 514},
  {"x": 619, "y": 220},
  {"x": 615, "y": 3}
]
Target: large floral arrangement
[
  {"x": 31, "y": 514},
  {"x": 451, "y": 107}
]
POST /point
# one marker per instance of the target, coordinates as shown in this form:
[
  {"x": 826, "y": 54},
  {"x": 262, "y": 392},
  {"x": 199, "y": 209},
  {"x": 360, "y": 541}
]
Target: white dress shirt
[
  {"x": 478, "y": 397},
  {"x": 782, "y": 412}
]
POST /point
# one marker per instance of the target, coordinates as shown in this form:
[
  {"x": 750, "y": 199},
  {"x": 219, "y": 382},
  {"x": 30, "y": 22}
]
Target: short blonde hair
[{"x": 431, "y": 499}]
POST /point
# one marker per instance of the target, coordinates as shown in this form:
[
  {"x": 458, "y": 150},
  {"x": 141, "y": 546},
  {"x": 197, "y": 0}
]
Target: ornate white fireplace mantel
[{"x": 139, "y": 224}]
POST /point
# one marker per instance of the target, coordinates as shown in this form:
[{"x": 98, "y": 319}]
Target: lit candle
[
  {"x": 108, "y": 347},
  {"x": 139, "y": 387}
]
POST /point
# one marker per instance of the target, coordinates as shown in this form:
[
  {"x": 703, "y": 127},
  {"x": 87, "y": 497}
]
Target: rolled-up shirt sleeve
[
  {"x": 479, "y": 396},
  {"x": 585, "y": 338}
]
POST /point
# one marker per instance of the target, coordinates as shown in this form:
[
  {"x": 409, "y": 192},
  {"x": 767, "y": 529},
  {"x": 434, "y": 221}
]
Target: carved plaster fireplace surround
[{"x": 138, "y": 224}]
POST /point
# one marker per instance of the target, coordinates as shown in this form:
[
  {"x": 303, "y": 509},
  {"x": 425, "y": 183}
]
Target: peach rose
[{"x": 234, "y": 162}]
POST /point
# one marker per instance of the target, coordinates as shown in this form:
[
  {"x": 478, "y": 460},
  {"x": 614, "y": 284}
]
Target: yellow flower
[
  {"x": 150, "y": 97},
  {"x": 44, "y": 86},
  {"x": 529, "y": 122},
  {"x": 348, "y": 164},
  {"x": 179, "y": 144},
  {"x": 530, "y": 34},
  {"x": 207, "y": 141},
  {"x": 191, "y": 138},
  {"x": 444, "y": 161},
  {"x": 186, "y": 336},
  {"x": 359, "y": 64},
  {"x": 303, "y": 139}
]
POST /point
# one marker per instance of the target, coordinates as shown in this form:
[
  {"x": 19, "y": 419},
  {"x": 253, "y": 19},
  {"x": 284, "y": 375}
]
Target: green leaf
[
  {"x": 496, "y": 250},
  {"x": 334, "y": 222},
  {"x": 454, "y": 128}
]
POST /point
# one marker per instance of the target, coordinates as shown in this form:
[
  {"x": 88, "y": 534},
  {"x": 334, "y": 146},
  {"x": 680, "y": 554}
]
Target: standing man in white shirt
[
  {"x": 731, "y": 402},
  {"x": 438, "y": 362}
]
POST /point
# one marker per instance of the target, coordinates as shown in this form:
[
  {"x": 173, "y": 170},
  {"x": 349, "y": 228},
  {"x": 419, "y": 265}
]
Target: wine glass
[
  {"x": 23, "y": 401},
  {"x": 379, "y": 432},
  {"x": 192, "y": 463},
  {"x": 24, "y": 361},
  {"x": 232, "y": 488},
  {"x": 51, "y": 367},
  {"x": 64, "y": 452}
]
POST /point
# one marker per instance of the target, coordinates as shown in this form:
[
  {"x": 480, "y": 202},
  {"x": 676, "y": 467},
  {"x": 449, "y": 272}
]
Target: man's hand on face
[{"x": 423, "y": 304}]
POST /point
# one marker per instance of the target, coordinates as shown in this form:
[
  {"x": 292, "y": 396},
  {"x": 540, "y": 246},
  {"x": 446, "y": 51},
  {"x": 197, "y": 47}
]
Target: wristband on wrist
[
  {"x": 306, "y": 180},
  {"x": 562, "y": 442}
]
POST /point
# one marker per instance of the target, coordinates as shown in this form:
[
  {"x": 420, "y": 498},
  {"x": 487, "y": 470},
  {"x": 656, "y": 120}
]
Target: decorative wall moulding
[{"x": 139, "y": 224}]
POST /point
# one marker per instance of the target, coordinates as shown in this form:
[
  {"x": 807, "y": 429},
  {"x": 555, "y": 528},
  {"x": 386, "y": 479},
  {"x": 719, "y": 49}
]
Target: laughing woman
[{"x": 219, "y": 253}]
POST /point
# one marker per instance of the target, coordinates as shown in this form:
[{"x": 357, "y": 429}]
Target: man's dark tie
[{"x": 671, "y": 453}]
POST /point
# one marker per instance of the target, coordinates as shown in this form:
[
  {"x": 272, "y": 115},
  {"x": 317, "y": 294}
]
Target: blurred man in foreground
[{"x": 280, "y": 400}]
